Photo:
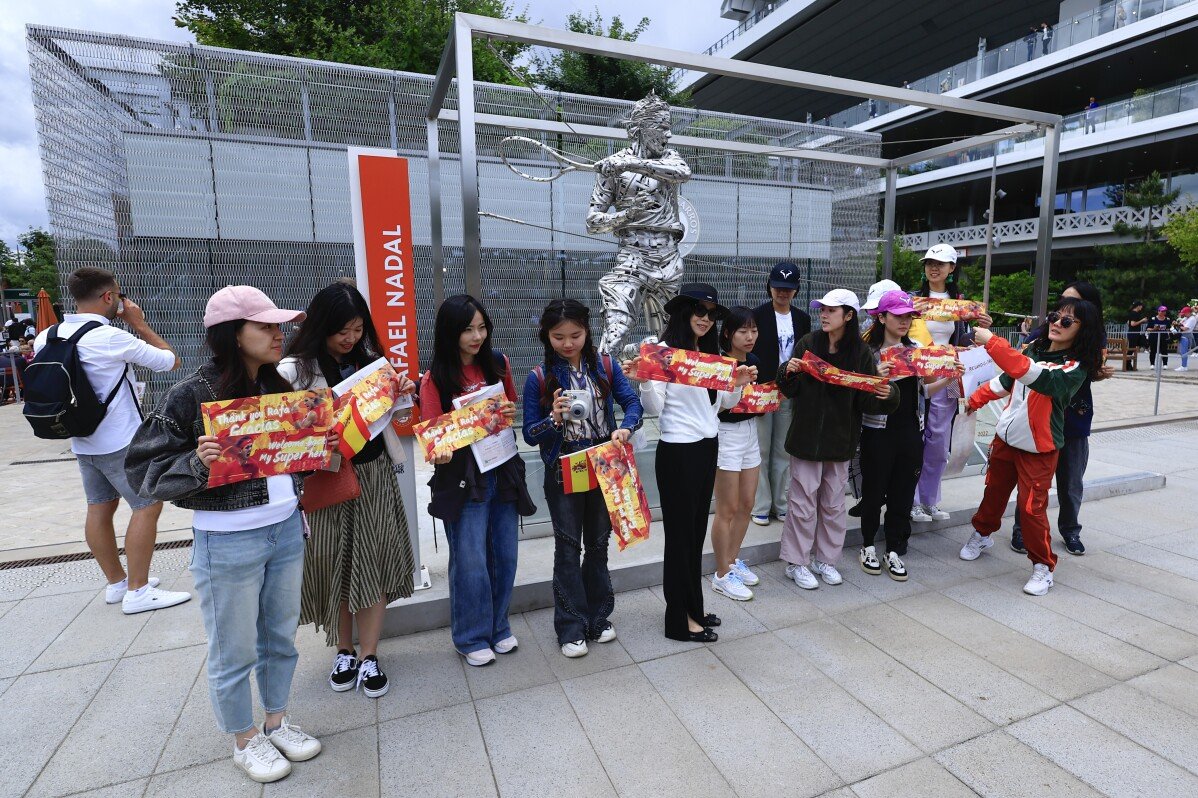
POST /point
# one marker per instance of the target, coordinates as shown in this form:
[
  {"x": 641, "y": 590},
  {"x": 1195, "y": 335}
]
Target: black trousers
[
  {"x": 891, "y": 460},
  {"x": 686, "y": 481},
  {"x": 1158, "y": 344},
  {"x": 582, "y": 592}
]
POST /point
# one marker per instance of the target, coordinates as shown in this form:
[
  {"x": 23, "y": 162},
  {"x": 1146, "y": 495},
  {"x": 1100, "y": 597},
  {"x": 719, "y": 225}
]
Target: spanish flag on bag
[
  {"x": 578, "y": 475},
  {"x": 355, "y": 432}
]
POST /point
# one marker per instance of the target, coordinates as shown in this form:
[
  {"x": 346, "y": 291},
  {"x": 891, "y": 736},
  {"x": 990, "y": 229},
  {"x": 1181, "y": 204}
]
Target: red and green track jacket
[{"x": 1039, "y": 389}]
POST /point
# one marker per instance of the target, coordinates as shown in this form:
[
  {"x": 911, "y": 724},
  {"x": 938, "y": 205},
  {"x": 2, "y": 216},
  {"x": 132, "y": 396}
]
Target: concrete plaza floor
[{"x": 953, "y": 683}]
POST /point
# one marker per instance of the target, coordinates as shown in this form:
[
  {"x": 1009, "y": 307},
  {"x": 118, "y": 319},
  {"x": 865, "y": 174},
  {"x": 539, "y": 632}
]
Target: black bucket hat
[{"x": 694, "y": 293}]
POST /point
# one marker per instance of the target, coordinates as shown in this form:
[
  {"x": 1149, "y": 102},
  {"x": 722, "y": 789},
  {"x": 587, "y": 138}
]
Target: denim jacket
[
  {"x": 539, "y": 429},
  {"x": 161, "y": 462}
]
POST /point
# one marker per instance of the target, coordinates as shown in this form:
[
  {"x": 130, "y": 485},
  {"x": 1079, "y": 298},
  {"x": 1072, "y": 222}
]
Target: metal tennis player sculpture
[{"x": 636, "y": 198}]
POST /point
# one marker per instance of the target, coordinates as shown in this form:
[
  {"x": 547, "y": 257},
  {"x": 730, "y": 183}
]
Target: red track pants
[{"x": 1032, "y": 473}]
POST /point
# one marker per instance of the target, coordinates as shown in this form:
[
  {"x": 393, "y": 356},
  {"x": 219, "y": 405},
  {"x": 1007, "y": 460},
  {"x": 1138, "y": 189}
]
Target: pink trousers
[{"x": 815, "y": 515}]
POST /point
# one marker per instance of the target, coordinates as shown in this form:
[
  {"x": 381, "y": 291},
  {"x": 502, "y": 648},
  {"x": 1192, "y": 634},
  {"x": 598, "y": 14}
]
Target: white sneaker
[
  {"x": 1181, "y": 368},
  {"x": 151, "y": 598},
  {"x": 920, "y": 515},
  {"x": 976, "y": 544},
  {"x": 1040, "y": 582},
  {"x": 114, "y": 593},
  {"x": 293, "y": 743},
  {"x": 746, "y": 575},
  {"x": 828, "y": 572},
  {"x": 869, "y": 561},
  {"x": 936, "y": 513},
  {"x": 574, "y": 650},
  {"x": 480, "y": 658},
  {"x": 607, "y": 635},
  {"x": 507, "y": 645},
  {"x": 730, "y": 585},
  {"x": 895, "y": 567},
  {"x": 803, "y": 578},
  {"x": 260, "y": 760},
  {"x": 761, "y": 520}
]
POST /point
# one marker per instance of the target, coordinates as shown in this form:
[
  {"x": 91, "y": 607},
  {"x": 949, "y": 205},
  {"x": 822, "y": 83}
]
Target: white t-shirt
[
  {"x": 282, "y": 504},
  {"x": 1189, "y": 323},
  {"x": 941, "y": 331},
  {"x": 108, "y": 354},
  {"x": 786, "y": 335},
  {"x": 687, "y": 414}
]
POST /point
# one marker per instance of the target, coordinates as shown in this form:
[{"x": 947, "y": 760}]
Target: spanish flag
[
  {"x": 355, "y": 432},
  {"x": 578, "y": 475}
]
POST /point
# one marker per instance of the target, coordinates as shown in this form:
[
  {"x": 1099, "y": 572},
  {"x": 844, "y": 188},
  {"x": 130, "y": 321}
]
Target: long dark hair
[
  {"x": 1086, "y": 348},
  {"x": 679, "y": 334},
  {"x": 555, "y": 313},
  {"x": 850, "y": 342},
  {"x": 328, "y": 313},
  {"x": 234, "y": 381},
  {"x": 875, "y": 336},
  {"x": 738, "y": 316},
  {"x": 453, "y": 317},
  {"x": 1089, "y": 293},
  {"x": 952, "y": 283}
]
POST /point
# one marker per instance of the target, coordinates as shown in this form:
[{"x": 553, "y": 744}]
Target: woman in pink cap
[{"x": 248, "y": 555}]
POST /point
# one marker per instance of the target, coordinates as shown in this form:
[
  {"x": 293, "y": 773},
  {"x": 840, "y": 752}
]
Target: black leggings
[
  {"x": 890, "y": 464},
  {"x": 685, "y": 481}
]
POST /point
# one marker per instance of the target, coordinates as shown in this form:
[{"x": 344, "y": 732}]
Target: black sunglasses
[
  {"x": 702, "y": 311},
  {"x": 1065, "y": 321}
]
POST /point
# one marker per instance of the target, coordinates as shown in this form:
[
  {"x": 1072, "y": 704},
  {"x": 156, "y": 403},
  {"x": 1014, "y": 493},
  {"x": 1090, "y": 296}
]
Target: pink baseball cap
[
  {"x": 235, "y": 302},
  {"x": 896, "y": 302}
]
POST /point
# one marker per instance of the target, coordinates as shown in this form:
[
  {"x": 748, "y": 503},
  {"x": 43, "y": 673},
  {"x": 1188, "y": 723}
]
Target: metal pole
[
  {"x": 471, "y": 233},
  {"x": 434, "y": 206},
  {"x": 990, "y": 228},
  {"x": 1048, "y": 193},
  {"x": 1161, "y": 342},
  {"x": 888, "y": 222}
]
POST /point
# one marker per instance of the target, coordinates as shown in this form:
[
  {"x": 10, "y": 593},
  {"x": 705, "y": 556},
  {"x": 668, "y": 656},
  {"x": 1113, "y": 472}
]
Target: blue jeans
[
  {"x": 249, "y": 586},
  {"x": 582, "y": 594},
  {"x": 1184, "y": 347},
  {"x": 482, "y": 571}
]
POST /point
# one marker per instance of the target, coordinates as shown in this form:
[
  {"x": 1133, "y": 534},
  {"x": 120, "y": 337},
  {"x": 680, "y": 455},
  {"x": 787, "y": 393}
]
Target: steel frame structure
[{"x": 457, "y": 60}]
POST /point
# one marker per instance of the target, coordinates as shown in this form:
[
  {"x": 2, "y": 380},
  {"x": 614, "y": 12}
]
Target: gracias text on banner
[
  {"x": 457, "y": 429},
  {"x": 271, "y": 435}
]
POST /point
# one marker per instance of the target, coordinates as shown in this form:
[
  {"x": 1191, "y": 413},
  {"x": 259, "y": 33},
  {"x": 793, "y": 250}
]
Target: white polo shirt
[{"x": 108, "y": 354}]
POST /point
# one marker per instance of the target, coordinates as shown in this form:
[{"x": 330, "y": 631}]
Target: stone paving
[{"x": 951, "y": 684}]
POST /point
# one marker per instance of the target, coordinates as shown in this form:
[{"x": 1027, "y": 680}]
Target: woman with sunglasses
[
  {"x": 1031, "y": 430},
  {"x": 686, "y": 459}
]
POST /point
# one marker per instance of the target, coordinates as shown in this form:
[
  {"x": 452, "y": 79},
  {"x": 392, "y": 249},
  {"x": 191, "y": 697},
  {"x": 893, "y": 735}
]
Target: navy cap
[{"x": 785, "y": 275}]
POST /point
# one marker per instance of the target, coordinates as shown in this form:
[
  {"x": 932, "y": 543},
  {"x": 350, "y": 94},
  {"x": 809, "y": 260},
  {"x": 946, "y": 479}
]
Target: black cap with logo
[{"x": 785, "y": 275}]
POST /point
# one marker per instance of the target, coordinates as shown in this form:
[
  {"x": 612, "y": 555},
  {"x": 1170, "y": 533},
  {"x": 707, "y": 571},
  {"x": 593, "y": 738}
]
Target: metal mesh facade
[{"x": 187, "y": 168}]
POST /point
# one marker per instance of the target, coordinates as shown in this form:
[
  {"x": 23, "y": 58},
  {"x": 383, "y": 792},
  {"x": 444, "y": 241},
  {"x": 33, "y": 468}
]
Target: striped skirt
[{"x": 359, "y": 551}]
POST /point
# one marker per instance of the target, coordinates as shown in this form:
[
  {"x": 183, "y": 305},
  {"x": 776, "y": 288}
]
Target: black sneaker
[
  {"x": 1017, "y": 543},
  {"x": 345, "y": 671},
  {"x": 371, "y": 677},
  {"x": 1073, "y": 545}
]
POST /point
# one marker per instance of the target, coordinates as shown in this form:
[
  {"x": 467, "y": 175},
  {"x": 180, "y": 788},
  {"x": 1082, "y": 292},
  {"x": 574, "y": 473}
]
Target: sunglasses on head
[{"x": 1065, "y": 321}]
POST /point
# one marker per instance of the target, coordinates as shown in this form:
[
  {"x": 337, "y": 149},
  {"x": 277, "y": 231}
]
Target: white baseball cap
[
  {"x": 837, "y": 297},
  {"x": 876, "y": 290},
  {"x": 941, "y": 252}
]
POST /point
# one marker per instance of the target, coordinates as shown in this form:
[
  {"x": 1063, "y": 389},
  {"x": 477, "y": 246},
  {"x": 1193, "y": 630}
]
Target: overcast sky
[{"x": 684, "y": 24}]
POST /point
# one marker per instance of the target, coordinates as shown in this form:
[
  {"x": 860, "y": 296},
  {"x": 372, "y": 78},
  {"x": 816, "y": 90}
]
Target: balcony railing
[
  {"x": 1088, "y": 222},
  {"x": 1075, "y": 30},
  {"x": 744, "y": 26}
]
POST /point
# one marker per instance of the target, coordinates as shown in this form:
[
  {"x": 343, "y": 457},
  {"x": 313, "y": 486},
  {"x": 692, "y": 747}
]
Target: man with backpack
[{"x": 81, "y": 385}]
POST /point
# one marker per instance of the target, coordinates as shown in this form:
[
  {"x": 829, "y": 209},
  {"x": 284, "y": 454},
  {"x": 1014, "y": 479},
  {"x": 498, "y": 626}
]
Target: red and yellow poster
[
  {"x": 266, "y": 436},
  {"x": 759, "y": 398},
  {"x": 458, "y": 429},
  {"x": 667, "y": 364},
  {"x": 824, "y": 371},
  {"x": 934, "y": 309},
  {"x": 578, "y": 475},
  {"x": 924, "y": 361},
  {"x": 615, "y": 469}
]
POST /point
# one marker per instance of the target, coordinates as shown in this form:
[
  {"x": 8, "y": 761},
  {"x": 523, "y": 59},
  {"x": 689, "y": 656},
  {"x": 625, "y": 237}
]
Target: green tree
[
  {"x": 406, "y": 35},
  {"x": 1182, "y": 234},
  {"x": 602, "y": 76},
  {"x": 908, "y": 266},
  {"x": 33, "y": 264}
]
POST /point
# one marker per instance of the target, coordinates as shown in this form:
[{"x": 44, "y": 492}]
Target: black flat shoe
[
  {"x": 710, "y": 620},
  {"x": 706, "y": 636}
]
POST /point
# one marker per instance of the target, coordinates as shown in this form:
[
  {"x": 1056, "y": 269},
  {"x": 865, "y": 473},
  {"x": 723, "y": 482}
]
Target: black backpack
[{"x": 59, "y": 399}]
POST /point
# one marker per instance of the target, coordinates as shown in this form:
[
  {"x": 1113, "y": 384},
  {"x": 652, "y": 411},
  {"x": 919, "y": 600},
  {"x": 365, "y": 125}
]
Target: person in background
[
  {"x": 1137, "y": 317},
  {"x": 779, "y": 325},
  {"x": 823, "y": 437},
  {"x": 359, "y": 557},
  {"x": 1091, "y": 115},
  {"x": 1045, "y": 38},
  {"x": 1030, "y": 431},
  {"x": 479, "y": 509},
  {"x": 941, "y": 280},
  {"x": 1074, "y": 454},
  {"x": 108, "y": 354},
  {"x": 1187, "y": 321},
  {"x": 248, "y": 555},
  {"x": 583, "y": 599},
  {"x": 738, "y": 466},
  {"x": 686, "y": 459},
  {"x": 1025, "y": 327},
  {"x": 1158, "y": 330},
  {"x": 1030, "y": 41}
]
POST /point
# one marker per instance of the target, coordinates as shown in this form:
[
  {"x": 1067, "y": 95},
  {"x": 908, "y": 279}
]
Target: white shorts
[{"x": 739, "y": 449}]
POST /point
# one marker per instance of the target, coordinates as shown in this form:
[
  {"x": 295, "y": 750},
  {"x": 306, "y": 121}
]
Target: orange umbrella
[{"x": 45, "y": 311}]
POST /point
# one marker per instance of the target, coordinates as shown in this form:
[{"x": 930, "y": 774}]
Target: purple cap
[
  {"x": 1162, "y": 307},
  {"x": 896, "y": 302}
]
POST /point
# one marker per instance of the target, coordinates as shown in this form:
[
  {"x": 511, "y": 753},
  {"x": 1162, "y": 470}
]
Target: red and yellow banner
[
  {"x": 616, "y": 472},
  {"x": 935, "y": 309},
  {"x": 921, "y": 361},
  {"x": 824, "y": 371},
  {"x": 667, "y": 364},
  {"x": 578, "y": 475},
  {"x": 458, "y": 429},
  {"x": 759, "y": 398},
  {"x": 267, "y": 436}
]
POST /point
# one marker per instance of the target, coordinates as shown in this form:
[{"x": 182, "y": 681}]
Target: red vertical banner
[{"x": 385, "y": 255}]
